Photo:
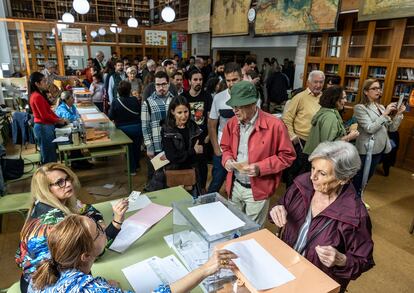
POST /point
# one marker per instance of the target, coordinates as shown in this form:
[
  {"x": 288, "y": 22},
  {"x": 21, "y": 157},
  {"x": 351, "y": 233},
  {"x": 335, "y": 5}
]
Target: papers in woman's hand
[
  {"x": 259, "y": 267},
  {"x": 136, "y": 200},
  {"x": 136, "y": 225},
  {"x": 157, "y": 162},
  {"x": 148, "y": 274}
]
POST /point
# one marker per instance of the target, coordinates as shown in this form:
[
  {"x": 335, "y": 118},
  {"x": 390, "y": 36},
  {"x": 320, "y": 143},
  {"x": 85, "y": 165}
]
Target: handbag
[
  {"x": 186, "y": 177},
  {"x": 12, "y": 168}
]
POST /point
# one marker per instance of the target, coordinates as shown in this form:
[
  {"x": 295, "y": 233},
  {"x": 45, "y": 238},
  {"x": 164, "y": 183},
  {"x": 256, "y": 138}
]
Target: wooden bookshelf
[
  {"x": 374, "y": 49},
  {"x": 102, "y": 11}
]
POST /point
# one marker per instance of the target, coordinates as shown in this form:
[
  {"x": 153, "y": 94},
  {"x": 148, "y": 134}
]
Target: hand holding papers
[
  {"x": 136, "y": 225},
  {"x": 258, "y": 266},
  {"x": 222, "y": 221},
  {"x": 159, "y": 161},
  {"x": 136, "y": 200},
  {"x": 147, "y": 275}
]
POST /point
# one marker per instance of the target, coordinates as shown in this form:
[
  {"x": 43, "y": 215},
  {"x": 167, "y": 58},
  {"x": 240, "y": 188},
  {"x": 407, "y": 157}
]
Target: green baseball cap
[{"x": 242, "y": 93}]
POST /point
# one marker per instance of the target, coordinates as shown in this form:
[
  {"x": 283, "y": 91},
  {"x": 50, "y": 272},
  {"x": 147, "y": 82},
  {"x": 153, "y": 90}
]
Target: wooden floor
[{"x": 392, "y": 210}]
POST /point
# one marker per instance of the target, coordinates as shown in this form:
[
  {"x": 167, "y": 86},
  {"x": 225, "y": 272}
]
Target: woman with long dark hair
[
  {"x": 181, "y": 138},
  {"x": 45, "y": 119}
]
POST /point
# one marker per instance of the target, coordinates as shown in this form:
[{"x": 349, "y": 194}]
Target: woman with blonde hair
[
  {"x": 374, "y": 122},
  {"x": 54, "y": 188},
  {"x": 75, "y": 244}
]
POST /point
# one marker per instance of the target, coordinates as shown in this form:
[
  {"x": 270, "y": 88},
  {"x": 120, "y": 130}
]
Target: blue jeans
[
  {"x": 44, "y": 135},
  {"x": 357, "y": 180},
  {"x": 219, "y": 175},
  {"x": 134, "y": 132}
]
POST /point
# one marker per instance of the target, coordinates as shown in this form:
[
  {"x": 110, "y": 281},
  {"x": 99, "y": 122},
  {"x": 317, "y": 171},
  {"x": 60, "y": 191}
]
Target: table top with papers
[{"x": 152, "y": 243}]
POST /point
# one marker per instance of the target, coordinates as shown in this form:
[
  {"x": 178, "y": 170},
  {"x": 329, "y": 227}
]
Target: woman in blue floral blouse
[
  {"x": 54, "y": 188},
  {"x": 75, "y": 244}
]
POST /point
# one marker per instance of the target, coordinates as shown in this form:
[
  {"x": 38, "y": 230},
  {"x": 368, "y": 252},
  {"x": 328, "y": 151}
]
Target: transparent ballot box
[
  {"x": 194, "y": 245},
  {"x": 83, "y": 97}
]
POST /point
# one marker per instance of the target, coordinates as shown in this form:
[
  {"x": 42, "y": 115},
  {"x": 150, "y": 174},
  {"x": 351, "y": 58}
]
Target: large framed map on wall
[
  {"x": 384, "y": 9},
  {"x": 230, "y": 17},
  {"x": 295, "y": 16}
]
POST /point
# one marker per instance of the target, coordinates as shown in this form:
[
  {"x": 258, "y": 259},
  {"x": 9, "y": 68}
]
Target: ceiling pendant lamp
[
  {"x": 168, "y": 14},
  {"x": 115, "y": 29},
  {"x": 94, "y": 34},
  {"x": 68, "y": 17},
  {"x": 101, "y": 31},
  {"x": 132, "y": 22},
  {"x": 81, "y": 6}
]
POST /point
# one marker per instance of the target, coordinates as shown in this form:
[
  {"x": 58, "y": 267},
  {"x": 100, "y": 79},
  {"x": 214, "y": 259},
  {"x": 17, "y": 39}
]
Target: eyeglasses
[
  {"x": 61, "y": 182},
  {"x": 161, "y": 84},
  {"x": 100, "y": 230},
  {"x": 375, "y": 88}
]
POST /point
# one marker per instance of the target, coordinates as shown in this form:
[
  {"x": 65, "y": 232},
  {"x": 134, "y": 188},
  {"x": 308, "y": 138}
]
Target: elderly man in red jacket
[{"x": 256, "y": 149}]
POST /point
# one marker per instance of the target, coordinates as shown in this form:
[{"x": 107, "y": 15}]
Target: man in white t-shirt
[{"x": 220, "y": 112}]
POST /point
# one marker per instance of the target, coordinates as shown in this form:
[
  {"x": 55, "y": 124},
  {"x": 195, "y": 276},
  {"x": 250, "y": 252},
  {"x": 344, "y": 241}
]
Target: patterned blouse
[
  {"x": 33, "y": 247},
  {"x": 74, "y": 281}
]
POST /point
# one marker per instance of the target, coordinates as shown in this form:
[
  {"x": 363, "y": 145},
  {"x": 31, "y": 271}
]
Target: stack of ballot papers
[
  {"x": 147, "y": 275},
  {"x": 136, "y": 200},
  {"x": 259, "y": 267},
  {"x": 87, "y": 110},
  {"x": 136, "y": 225},
  {"x": 222, "y": 221}
]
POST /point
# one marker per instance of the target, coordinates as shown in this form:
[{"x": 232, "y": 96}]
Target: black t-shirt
[{"x": 200, "y": 106}]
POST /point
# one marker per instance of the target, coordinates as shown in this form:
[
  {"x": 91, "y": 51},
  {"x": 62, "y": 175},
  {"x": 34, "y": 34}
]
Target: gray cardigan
[{"x": 371, "y": 122}]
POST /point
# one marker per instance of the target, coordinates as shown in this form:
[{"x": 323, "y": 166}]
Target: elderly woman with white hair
[
  {"x": 67, "y": 108},
  {"x": 136, "y": 83},
  {"x": 322, "y": 217}
]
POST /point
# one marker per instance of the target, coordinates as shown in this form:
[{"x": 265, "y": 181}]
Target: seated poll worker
[
  {"x": 67, "y": 108},
  {"x": 256, "y": 149},
  {"x": 322, "y": 217},
  {"x": 74, "y": 245},
  {"x": 54, "y": 188}
]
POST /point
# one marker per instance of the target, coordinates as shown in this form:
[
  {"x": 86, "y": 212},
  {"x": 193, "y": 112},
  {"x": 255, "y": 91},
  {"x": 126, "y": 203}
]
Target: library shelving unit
[{"x": 383, "y": 50}]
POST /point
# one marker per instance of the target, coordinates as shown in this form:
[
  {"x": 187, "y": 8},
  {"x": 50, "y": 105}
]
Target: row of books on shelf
[
  {"x": 405, "y": 73},
  {"x": 354, "y": 70},
  {"x": 405, "y": 89},
  {"x": 352, "y": 84},
  {"x": 377, "y": 72}
]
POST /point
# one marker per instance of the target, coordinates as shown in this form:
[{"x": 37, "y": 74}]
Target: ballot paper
[
  {"x": 136, "y": 200},
  {"x": 216, "y": 218},
  {"x": 95, "y": 116},
  {"x": 88, "y": 110},
  {"x": 61, "y": 139},
  {"x": 148, "y": 274},
  {"x": 157, "y": 162},
  {"x": 136, "y": 225},
  {"x": 251, "y": 261}
]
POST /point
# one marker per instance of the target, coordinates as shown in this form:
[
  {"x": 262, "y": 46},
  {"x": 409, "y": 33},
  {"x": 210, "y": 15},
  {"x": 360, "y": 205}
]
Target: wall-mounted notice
[
  {"x": 156, "y": 38},
  {"x": 71, "y": 35}
]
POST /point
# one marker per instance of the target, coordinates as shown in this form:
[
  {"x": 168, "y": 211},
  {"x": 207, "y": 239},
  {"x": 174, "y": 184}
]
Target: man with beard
[
  {"x": 218, "y": 71},
  {"x": 115, "y": 79},
  {"x": 153, "y": 111},
  {"x": 200, "y": 103}
]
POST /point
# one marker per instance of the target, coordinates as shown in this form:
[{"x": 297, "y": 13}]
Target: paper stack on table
[
  {"x": 136, "y": 225},
  {"x": 222, "y": 221},
  {"x": 148, "y": 274},
  {"x": 88, "y": 110},
  {"x": 259, "y": 267}
]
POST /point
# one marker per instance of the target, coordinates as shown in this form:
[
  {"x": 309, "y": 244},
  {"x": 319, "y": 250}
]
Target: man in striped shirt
[{"x": 153, "y": 111}]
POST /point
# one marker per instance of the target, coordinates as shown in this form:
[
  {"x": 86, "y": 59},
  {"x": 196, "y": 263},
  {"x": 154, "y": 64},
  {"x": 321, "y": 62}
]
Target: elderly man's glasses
[{"x": 61, "y": 182}]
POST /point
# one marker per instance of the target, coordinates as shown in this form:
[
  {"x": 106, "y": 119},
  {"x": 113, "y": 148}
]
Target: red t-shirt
[{"x": 41, "y": 110}]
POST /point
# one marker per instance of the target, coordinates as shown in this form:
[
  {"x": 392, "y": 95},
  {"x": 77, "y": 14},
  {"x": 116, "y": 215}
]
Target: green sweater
[{"x": 327, "y": 125}]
